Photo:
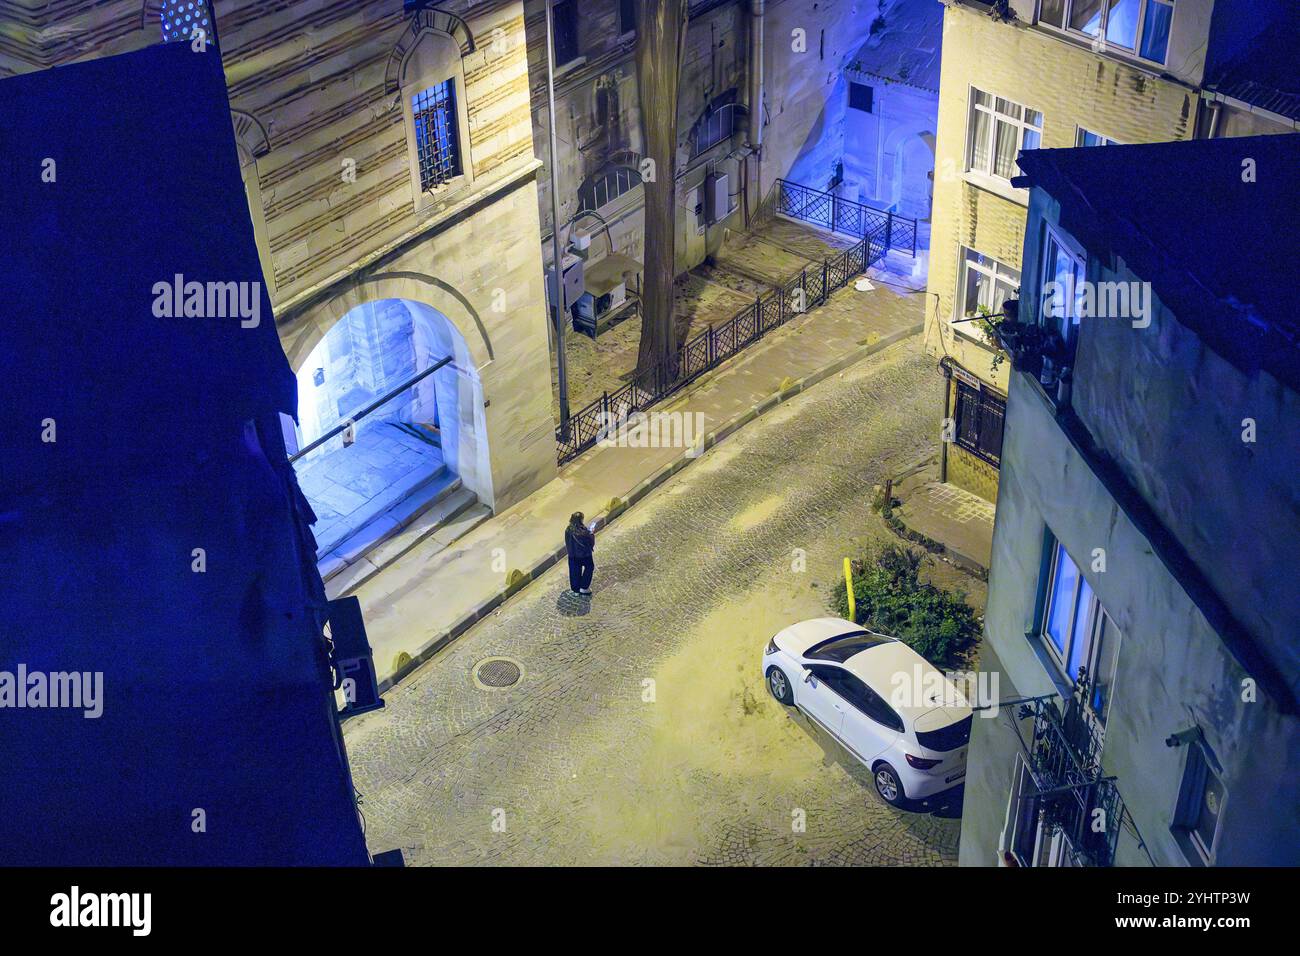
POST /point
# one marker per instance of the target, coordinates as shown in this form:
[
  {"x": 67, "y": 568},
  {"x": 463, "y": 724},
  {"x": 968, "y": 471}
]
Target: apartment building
[
  {"x": 1021, "y": 75},
  {"x": 1142, "y": 607}
]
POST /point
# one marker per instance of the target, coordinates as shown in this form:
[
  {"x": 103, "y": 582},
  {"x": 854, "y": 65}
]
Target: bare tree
[{"x": 661, "y": 40}]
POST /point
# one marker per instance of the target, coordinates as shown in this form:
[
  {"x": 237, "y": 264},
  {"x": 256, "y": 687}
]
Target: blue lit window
[
  {"x": 1086, "y": 137},
  {"x": 1079, "y": 632},
  {"x": 1138, "y": 26},
  {"x": 181, "y": 18},
  {"x": 1060, "y": 601},
  {"x": 1155, "y": 32},
  {"x": 434, "y": 111}
]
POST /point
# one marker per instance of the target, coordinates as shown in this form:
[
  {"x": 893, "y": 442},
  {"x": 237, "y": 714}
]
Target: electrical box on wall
[
  {"x": 574, "y": 281},
  {"x": 717, "y": 199}
]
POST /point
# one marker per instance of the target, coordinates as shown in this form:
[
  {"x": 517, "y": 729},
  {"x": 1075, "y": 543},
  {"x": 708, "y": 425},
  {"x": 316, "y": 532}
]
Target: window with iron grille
[
  {"x": 979, "y": 422},
  {"x": 714, "y": 127},
  {"x": 434, "y": 111},
  {"x": 606, "y": 186}
]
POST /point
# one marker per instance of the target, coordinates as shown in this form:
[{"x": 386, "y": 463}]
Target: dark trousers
[{"x": 580, "y": 572}]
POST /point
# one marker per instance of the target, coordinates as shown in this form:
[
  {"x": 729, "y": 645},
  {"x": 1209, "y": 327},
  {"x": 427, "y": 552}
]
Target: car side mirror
[{"x": 807, "y": 675}]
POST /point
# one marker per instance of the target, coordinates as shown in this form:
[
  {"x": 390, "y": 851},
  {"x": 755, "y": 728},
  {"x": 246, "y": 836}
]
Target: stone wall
[
  {"x": 805, "y": 94},
  {"x": 599, "y": 124},
  {"x": 971, "y": 472},
  {"x": 477, "y": 275}
]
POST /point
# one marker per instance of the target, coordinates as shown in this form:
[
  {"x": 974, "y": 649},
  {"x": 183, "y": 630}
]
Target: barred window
[
  {"x": 979, "y": 422},
  {"x": 713, "y": 128},
  {"x": 606, "y": 186},
  {"x": 434, "y": 112}
]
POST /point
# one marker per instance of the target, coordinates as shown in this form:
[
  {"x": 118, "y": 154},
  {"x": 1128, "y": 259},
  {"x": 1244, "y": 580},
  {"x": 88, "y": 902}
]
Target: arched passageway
[{"x": 427, "y": 433}]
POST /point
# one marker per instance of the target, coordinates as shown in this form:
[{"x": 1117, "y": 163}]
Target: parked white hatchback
[{"x": 845, "y": 679}]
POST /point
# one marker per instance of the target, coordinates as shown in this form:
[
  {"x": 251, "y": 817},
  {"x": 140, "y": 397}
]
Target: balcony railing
[{"x": 1074, "y": 795}]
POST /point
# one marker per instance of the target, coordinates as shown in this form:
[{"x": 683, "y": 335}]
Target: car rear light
[
  {"x": 921, "y": 763},
  {"x": 771, "y": 646}
]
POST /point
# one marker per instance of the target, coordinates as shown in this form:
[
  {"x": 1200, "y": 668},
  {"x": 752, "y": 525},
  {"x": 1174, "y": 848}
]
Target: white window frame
[
  {"x": 1049, "y": 847},
  {"x": 1064, "y": 324},
  {"x": 1100, "y": 41},
  {"x": 995, "y": 274},
  {"x": 1023, "y": 126},
  {"x": 1079, "y": 132}
]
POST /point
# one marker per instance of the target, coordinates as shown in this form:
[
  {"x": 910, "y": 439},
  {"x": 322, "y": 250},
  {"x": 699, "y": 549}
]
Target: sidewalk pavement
[
  {"x": 961, "y": 521},
  {"x": 432, "y": 595}
]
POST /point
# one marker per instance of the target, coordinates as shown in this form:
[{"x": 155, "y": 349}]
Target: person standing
[{"x": 580, "y": 543}]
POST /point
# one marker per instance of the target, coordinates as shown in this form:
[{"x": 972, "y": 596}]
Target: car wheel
[
  {"x": 779, "y": 685},
  {"x": 888, "y": 785}
]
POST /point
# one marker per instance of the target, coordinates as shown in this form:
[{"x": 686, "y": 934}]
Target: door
[
  {"x": 819, "y": 700},
  {"x": 870, "y": 724}
]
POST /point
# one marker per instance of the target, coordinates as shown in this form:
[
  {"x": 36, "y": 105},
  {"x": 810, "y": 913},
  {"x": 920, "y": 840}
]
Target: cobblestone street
[{"x": 640, "y": 731}]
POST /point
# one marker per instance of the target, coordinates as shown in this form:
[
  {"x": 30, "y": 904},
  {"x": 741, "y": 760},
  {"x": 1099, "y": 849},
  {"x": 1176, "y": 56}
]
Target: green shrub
[{"x": 891, "y": 598}]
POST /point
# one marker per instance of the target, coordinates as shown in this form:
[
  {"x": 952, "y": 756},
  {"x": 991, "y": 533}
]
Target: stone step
[
  {"x": 452, "y": 516},
  {"x": 411, "y": 486},
  {"x": 362, "y": 540}
]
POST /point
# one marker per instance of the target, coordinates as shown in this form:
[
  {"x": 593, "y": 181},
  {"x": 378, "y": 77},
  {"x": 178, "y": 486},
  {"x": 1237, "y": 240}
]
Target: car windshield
[{"x": 840, "y": 649}]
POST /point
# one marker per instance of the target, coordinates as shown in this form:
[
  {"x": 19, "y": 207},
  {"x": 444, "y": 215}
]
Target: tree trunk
[{"x": 661, "y": 37}]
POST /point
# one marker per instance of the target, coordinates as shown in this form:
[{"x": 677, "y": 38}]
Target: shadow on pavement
[
  {"x": 946, "y": 805},
  {"x": 573, "y": 605}
]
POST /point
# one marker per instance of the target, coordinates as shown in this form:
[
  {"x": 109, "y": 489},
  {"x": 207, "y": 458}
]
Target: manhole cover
[{"x": 497, "y": 672}]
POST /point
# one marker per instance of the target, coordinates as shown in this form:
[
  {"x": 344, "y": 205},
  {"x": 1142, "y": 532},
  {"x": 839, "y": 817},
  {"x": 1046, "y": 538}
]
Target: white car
[{"x": 844, "y": 678}]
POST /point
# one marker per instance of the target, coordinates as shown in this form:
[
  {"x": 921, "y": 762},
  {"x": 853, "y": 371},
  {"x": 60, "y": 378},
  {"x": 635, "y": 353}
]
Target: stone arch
[
  {"x": 304, "y": 331},
  {"x": 398, "y": 338},
  {"x": 425, "y": 21},
  {"x": 911, "y": 152},
  {"x": 250, "y": 136}
]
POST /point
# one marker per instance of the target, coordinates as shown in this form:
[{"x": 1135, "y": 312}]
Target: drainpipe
[
  {"x": 756, "y": 10},
  {"x": 1216, "y": 109},
  {"x": 947, "y": 411},
  {"x": 557, "y": 301}
]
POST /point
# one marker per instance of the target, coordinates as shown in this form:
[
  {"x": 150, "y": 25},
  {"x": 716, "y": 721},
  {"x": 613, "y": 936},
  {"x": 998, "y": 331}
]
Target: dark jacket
[{"x": 580, "y": 543}]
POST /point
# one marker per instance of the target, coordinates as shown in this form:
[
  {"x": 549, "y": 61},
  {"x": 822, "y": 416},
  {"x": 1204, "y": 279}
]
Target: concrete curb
[{"x": 643, "y": 488}]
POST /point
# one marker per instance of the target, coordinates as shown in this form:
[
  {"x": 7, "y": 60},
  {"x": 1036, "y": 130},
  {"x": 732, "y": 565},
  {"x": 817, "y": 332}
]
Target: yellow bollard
[{"x": 848, "y": 587}]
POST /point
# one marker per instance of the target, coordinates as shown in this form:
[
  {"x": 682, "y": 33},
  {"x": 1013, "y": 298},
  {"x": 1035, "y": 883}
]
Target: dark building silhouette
[{"x": 151, "y": 528}]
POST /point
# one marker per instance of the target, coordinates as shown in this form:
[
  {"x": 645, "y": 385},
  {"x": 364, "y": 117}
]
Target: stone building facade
[
  {"x": 799, "y": 131},
  {"x": 325, "y": 104},
  {"x": 1145, "y": 530},
  {"x": 389, "y": 168},
  {"x": 1041, "y": 75}
]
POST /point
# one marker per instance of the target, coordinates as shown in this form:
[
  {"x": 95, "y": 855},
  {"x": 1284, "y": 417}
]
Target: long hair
[{"x": 577, "y": 521}]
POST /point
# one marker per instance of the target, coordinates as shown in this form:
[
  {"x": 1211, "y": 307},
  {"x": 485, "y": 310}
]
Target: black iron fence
[
  {"x": 842, "y": 215},
  {"x": 719, "y": 342}
]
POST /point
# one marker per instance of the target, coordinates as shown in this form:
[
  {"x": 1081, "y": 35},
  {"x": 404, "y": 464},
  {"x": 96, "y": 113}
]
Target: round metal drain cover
[{"x": 497, "y": 672}]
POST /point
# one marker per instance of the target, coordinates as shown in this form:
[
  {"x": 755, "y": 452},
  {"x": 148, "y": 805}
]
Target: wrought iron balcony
[{"x": 1074, "y": 795}]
